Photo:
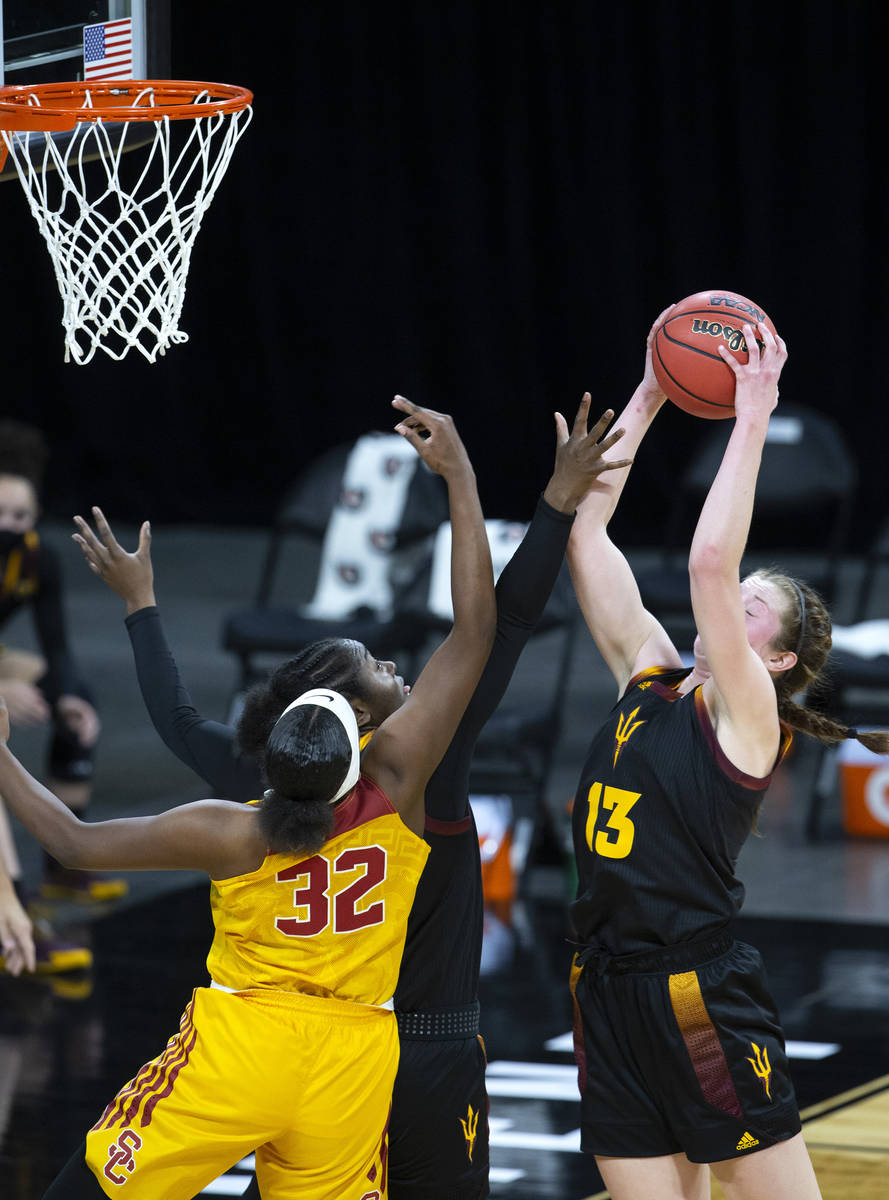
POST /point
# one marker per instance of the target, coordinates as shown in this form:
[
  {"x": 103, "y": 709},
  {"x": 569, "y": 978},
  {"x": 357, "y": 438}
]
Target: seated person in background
[{"x": 46, "y": 688}]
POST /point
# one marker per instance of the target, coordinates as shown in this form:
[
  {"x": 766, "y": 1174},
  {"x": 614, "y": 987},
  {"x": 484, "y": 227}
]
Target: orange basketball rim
[{"x": 121, "y": 239}]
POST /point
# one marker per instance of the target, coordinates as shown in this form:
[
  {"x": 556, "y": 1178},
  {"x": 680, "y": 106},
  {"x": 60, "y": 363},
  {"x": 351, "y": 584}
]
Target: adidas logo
[{"x": 747, "y": 1142}]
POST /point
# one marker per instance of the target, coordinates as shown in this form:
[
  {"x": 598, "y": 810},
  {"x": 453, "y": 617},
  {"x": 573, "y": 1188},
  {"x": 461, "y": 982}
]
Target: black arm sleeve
[
  {"x": 209, "y": 748},
  {"x": 49, "y": 620},
  {"x": 523, "y": 589}
]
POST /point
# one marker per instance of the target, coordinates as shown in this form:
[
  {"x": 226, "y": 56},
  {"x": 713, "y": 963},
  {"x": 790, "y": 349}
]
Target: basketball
[{"x": 685, "y": 357}]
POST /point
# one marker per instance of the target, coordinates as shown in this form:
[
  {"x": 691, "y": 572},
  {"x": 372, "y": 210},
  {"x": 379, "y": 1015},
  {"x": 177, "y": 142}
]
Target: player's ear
[
  {"x": 781, "y": 660},
  {"x": 362, "y": 714}
]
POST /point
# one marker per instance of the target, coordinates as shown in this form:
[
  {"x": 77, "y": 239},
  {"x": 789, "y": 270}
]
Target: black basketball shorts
[
  {"x": 438, "y": 1130},
  {"x": 683, "y": 1053}
]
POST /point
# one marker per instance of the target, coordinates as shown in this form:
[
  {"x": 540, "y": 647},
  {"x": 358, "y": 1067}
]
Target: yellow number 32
[{"x": 616, "y": 839}]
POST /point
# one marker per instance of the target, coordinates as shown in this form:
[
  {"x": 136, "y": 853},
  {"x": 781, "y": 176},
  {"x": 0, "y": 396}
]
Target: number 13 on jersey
[{"x": 615, "y": 839}]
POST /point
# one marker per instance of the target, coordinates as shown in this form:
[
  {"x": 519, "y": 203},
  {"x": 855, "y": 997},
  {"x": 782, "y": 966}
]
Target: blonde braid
[{"x": 806, "y": 629}]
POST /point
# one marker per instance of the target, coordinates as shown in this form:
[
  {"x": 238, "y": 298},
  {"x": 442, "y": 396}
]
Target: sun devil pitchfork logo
[
  {"x": 120, "y": 1154},
  {"x": 470, "y": 1129},
  {"x": 626, "y": 727},
  {"x": 761, "y": 1068}
]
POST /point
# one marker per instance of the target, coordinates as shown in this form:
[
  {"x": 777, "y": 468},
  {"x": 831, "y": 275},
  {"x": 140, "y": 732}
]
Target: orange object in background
[
  {"x": 494, "y": 819},
  {"x": 864, "y": 787}
]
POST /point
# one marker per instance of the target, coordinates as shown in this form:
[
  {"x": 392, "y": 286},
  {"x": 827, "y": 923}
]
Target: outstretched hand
[
  {"x": 756, "y": 380},
  {"x": 649, "y": 379},
  {"x": 434, "y": 437},
  {"x": 131, "y": 576},
  {"x": 579, "y": 457}
]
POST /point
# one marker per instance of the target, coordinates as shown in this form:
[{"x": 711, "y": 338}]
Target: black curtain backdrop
[{"x": 482, "y": 206}]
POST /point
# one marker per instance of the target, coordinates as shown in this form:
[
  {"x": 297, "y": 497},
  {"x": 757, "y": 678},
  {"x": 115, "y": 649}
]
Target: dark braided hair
[
  {"x": 806, "y": 629},
  {"x": 23, "y": 451},
  {"x": 331, "y": 662},
  {"x": 305, "y": 760}
]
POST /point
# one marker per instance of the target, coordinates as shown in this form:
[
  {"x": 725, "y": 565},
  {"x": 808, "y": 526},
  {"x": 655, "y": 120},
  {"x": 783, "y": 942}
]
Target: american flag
[{"x": 108, "y": 50}]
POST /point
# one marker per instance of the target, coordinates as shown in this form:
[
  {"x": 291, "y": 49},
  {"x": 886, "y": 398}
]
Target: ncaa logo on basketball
[{"x": 740, "y": 305}]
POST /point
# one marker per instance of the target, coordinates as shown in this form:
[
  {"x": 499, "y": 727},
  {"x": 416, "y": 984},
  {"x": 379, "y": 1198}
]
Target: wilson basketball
[{"x": 685, "y": 357}]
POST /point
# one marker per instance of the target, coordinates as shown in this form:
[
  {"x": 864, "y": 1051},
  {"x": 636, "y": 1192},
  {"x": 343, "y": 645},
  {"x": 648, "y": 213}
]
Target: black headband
[{"x": 802, "y": 616}]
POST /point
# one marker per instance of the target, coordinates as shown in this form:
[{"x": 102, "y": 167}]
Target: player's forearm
[
  {"x": 600, "y": 502},
  {"x": 472, "y": 576},
  {"x": 45, "y": 816},
  {"x": 724, "y": 524},
  {"x": 527, "y": 580}
]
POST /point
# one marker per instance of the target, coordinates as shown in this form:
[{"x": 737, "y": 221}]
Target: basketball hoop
[{"x": 120, "y": 233}]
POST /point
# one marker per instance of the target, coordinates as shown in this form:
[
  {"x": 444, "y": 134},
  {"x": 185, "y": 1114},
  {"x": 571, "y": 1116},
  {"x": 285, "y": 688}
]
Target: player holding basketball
[
  {"x": 293, "y": 1049},
  {"x": 438, "y": 1135},
  {"x": 680, "y": 1051}
]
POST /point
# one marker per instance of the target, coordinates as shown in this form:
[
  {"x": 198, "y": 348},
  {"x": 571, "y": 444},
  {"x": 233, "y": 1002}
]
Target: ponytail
[
  {"x": 827, "y": 731},
  {"x": 806, "y": 630},
  {"x": 306, "y": 759}
]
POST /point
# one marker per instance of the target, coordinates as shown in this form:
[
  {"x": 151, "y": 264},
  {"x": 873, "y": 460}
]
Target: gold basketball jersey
[{"x": 331, "y": 924}]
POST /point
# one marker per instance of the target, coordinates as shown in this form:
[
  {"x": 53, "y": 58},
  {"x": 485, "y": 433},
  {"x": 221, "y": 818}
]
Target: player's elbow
[
  {"x": 72, "y": 846},
  {"x": 708, "y": 561}
]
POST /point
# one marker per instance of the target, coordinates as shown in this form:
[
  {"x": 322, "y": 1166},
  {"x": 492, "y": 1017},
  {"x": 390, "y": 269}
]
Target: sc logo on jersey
[{"x": 120, "y": 1154}]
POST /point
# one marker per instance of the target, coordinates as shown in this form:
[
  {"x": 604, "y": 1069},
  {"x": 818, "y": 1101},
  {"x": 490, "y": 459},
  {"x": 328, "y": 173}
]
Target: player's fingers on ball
[
  {"x": 766, "y": 336},
  {"x": 727, "y": 357},
  {"x": 659, "y": 320},
  {"x": 753, "y": 349}
]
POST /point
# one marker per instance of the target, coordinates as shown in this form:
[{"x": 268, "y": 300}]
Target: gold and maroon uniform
[
  {"x": 678, "y": 1042},
  {"x": 292, "y": 1050}
]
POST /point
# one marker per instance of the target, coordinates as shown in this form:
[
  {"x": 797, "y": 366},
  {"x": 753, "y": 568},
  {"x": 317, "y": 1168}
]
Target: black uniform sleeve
[
  {"x": 208, "y": 747},
  {"x": 523, "y": 589},
  {"x": 49, "y": 620}
]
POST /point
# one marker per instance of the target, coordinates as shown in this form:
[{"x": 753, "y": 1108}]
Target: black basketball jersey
[{"x": 660, "y": 817}]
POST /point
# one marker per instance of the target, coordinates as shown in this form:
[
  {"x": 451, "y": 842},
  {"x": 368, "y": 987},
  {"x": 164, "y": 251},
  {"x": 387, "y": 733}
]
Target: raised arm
[
  {"x": 216, "y": 836},
  {"x": 740, "y": 691},
  {"x": 208, "y": 747},
  {"x": 628, "y": 637},
  {"x": 522, "y": 591},
  {"x": 409, "y": 744}
]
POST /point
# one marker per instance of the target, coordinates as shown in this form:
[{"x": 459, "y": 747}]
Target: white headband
[{"x": 345, "y": 714}]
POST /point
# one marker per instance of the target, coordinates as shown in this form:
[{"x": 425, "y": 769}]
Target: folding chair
[{"x": 361, "y": 519}]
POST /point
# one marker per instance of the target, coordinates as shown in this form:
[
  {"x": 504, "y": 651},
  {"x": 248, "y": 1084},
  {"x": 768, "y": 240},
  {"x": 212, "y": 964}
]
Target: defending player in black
[
  {"x": 438, "y": 1135},
  {"x": 679, "y": 1047}
]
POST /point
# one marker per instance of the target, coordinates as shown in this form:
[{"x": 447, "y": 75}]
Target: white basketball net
[{"x": 121, "y": 251}]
